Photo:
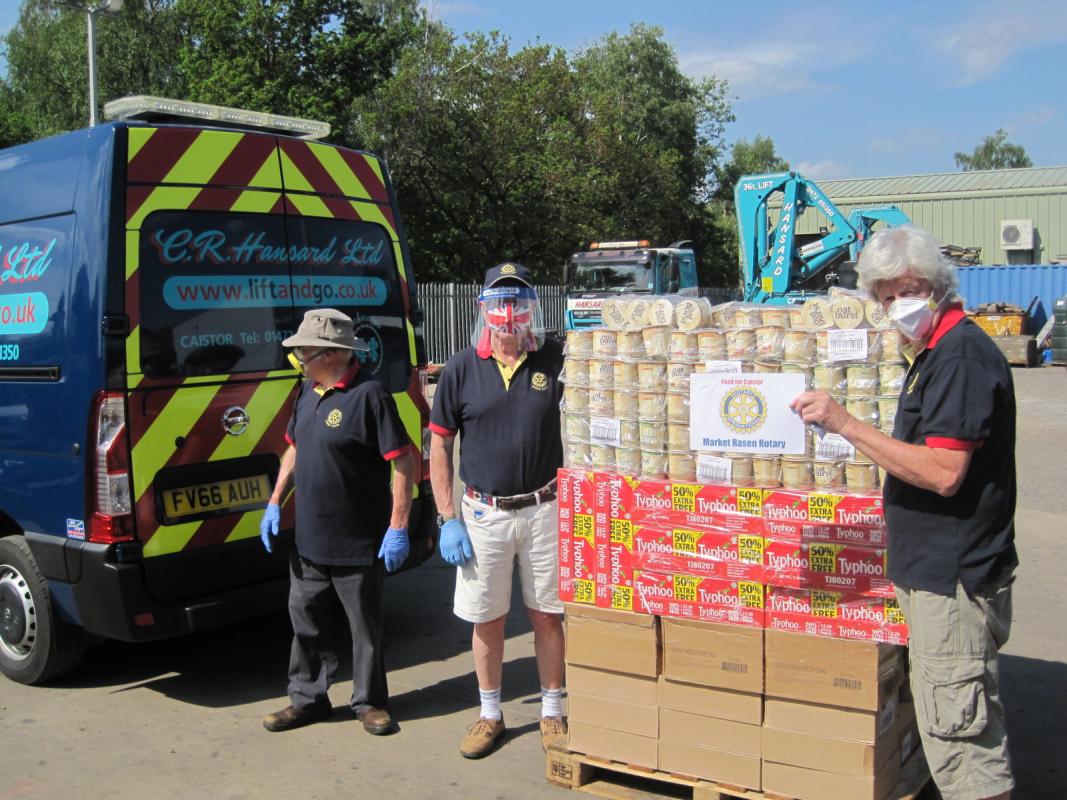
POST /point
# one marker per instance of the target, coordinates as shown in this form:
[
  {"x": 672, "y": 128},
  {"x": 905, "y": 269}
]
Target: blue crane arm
[
  {"x": 864, "y": 219},
  {"x": 771, "y": 262}
]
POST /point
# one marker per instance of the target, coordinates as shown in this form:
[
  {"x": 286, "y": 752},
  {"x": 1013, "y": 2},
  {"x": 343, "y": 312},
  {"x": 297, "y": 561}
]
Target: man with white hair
[{"x": 949, "y": 500}]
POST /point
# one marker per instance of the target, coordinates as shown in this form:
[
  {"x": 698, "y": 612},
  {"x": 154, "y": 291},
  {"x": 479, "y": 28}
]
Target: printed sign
[{"x": 746, "y": 413}]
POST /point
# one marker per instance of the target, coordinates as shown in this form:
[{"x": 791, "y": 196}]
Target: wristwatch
[{"x": 441, "y": 520}]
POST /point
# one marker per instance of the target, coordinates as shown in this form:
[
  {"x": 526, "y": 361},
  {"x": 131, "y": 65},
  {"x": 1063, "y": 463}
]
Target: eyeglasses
[{"x": 306, "y": 359}]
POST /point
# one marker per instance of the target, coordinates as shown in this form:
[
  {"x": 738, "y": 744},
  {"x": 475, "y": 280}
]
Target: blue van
[{"x": 149, "y": 269}]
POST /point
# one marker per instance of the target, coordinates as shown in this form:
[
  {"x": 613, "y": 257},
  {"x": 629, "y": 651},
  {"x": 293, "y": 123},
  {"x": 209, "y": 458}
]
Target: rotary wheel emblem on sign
[
  {"x": 235, "y": 420},
  {"x": 744, "y": 410}
]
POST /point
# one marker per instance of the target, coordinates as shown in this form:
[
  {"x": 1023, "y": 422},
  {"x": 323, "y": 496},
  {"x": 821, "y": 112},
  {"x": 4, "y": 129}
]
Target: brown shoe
[
  {"x": 290, "y": 717},
  {"x": 553, "y": 732},
  {"x": 481, "y": 737},
  {"x": 377, "y": 721}
]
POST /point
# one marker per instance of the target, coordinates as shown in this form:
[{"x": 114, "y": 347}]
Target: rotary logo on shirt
[
  {"x": 539, "y": 381},
  {"x": 333, "y": 419}
]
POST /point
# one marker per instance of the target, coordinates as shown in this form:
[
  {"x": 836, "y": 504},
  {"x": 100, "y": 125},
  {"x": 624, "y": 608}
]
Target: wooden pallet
[{"x": 618, "y": 781}]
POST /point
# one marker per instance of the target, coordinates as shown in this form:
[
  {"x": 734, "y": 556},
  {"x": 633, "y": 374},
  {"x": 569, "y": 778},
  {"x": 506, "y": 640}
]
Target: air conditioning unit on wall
[{"x": 1017, "y": 234}]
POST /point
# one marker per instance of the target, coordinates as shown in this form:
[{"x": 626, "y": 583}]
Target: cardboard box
[
  {"x": 711, "y": 732},
  {"x": 831, "y": 721},
  {"x": 721, "y": 656},
  {"x": 577, "y": 546},
  {"x": 619, "y": 641},
  {"x": 726, "y": 704},
  {"x": 713, "y": 765},
  {"x": 836, "y": 672},
  {"x": 826, "y": 532},
  {"x": 841, "y": 615},
  {"x": 613, "y": 745},
  {"x": 693, "y": 597},
  {"x": 616, "y": 715},
  {"x": 720, "y": 553},
  {"x": 828, "y": 754},
  {"x": 612, "y": 685},
  {"x": 809, "y": 784},
  {"x": 827, "y": 565},
  {"x": 824, "y": 508}
]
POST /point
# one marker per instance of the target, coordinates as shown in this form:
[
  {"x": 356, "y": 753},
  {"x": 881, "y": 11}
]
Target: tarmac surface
[{"x": 182, "y": 718}]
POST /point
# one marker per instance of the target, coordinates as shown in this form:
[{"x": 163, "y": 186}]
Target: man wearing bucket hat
[
  {"x": 343, "y": 435},
  {"x": 502, "y": 395},
  {"x": 949, "y": 503}
]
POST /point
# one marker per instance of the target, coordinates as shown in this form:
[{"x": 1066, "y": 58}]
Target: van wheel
[{"x": 33, "y": 646}]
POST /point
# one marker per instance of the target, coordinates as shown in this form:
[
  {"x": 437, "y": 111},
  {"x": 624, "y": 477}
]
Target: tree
[
  {"x": 746, "y": 158},
  {"x": 995, "y": 152},
  {"x": 307, "y": 59},
  {"x": 46, "y": 88}
]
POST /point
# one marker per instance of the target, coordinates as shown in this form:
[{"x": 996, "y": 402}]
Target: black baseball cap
[{"x": 509, "y": 270}]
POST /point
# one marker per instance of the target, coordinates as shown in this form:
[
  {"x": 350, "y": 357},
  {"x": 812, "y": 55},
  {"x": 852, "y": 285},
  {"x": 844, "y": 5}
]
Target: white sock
[
  {"x": 490, "y": 703},
  {"x": 550, "y": 702}
]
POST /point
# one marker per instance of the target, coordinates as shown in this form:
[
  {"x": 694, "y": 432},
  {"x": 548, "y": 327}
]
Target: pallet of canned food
[{"x": 729, "y": 618}]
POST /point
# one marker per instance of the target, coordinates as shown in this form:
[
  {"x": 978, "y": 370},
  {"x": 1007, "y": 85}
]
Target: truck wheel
[{"x": 33, "y": 646}]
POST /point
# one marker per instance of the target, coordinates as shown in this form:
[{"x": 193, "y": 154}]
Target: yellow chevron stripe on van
[
  {"x": 294, "y": 178},
  {"x": 409, "y": 415},
  {"x": 136, "y": 139},
  {"x": 157, "y": 443},
  {"x": 262, "y": 408},
  {"x": 170, "y": 539},
  {"x": 133, "y": 252},
  {"x": 339, "y": 170},
  {"x": 256, "y": 201},
  {"x": 372, "y": 212},
  {"x": 247, "y": 526},
  {"x": 133, "y": 358},
  {"x": 164, "y": 198},
  {"x": 309, "y": 205},
  {"x": 203, "y": 157}
]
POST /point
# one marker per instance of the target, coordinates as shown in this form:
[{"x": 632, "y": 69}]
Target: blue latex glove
[
  {"x": 454, "y": 543},
  {"x": 268, "y": 526},
  {"x": 394, "y": 548}
]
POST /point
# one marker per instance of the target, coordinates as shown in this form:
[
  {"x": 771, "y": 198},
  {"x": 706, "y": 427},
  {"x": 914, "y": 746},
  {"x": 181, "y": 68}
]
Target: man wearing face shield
[
  {"x": 949, "y": 501},
  {"x": 501, "y": 396}
]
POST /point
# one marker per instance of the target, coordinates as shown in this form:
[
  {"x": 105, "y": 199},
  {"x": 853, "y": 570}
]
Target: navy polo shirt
[
  {"x": 345, "y": 437},
  {"x": 509, "y": 435},
  {"x": 958, "y": 395}
]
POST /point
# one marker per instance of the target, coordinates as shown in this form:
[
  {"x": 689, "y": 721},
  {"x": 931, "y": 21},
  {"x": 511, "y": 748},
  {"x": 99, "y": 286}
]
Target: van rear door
[{"x": 209, "y": 390}]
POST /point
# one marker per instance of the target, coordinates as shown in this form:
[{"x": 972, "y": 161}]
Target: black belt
[{"x": 514, "y": 502}]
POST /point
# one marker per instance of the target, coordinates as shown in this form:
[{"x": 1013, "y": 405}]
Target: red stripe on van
[
  {"x": 205, "y": 435},
  {"x": 214, "y": 199},
  {"x": 145, "y": 405},
  {"x": 135, "y": 198},
  {"x": 244, "y": 162},
  {"x": 310, "y": 167},
  {"x": 159, "y": 154},
  {"x": 366, "y": 175}
]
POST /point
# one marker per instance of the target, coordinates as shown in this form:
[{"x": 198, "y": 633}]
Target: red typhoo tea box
[
  {"x": 826, "y": 565},
  {"x": 691, "y": 597},
  {"x": 819, "y": 612}
]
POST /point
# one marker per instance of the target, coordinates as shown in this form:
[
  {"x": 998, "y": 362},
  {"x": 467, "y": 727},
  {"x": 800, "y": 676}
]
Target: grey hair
[{"x": 892, "y": 252}]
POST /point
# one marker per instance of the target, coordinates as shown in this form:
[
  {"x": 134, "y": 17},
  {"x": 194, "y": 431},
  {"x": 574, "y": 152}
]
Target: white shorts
[{"x": 499, "y": 538}]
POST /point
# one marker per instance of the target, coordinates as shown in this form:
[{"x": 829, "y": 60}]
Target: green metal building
[{"x": 1016, "y": 216}]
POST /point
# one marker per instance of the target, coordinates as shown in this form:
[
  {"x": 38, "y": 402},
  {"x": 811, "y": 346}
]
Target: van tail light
[{"x": 111, "y": 519}]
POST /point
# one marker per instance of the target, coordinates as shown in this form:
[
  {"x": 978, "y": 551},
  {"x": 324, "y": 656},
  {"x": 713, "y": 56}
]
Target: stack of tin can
[{"x": 627, "y": 386}]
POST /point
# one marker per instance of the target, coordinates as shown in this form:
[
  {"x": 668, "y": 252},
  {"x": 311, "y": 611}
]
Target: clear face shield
[{"x": 509, "y": 311}]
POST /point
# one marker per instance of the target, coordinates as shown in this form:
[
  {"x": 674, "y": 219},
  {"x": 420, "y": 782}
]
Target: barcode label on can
[
  {"x": 846, "y": 345},
  {"x": 605, "y": 430},
  {"x": 834, "y": 447},
  {"x": 712, "y": 469},
  {"x": 723, "y": 367}
]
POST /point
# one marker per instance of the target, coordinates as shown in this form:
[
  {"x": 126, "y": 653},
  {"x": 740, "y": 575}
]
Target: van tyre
[{"x": 35, "y": 644}]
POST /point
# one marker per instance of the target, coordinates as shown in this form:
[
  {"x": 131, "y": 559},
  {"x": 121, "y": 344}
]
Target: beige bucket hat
[{"x": 326, "y": 327}]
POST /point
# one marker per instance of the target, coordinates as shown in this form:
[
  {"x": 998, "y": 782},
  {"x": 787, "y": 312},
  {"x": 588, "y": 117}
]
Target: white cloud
[
  {"x": 821, "y": 170},
  {"x": 981, "y": 45},
  {"x": 775, "y": 65},
  {"x": 1031, "y": 118},
  {"x": 908, "y": 140}
]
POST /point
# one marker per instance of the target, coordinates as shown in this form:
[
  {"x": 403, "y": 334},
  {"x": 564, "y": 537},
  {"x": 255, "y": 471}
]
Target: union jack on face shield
[{"x": 508, "y": 309}]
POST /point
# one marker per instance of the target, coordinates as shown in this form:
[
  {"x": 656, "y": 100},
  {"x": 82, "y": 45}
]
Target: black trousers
[{"x": 330, "y": 606}]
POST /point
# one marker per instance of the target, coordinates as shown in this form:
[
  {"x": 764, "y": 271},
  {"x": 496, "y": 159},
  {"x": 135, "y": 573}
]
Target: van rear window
[{"x": 220, "y": 291}]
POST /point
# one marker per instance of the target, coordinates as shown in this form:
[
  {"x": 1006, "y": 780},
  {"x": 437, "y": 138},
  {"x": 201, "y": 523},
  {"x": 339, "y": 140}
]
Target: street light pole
[{"x": 91, "y": 9}]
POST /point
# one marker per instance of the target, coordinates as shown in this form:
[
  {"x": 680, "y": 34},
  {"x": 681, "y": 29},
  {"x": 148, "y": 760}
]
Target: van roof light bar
[{"x": 147, "y": 108}]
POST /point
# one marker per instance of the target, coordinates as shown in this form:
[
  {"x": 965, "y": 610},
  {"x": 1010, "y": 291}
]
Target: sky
[{"x": 845, "y": 88}]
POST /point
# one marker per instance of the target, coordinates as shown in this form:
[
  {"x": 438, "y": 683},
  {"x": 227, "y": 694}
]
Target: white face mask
[{"x": 913, "y": 316}]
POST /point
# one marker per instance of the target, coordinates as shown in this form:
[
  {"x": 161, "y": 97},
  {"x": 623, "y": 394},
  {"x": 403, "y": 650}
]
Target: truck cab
[
  {"x": 152, "y": 267},
  {"x": 610, "y": 269}
]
